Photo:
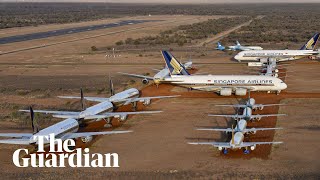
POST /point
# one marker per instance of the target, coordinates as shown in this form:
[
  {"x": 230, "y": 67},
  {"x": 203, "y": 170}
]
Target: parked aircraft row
[
  {"x": 238, "y": 133},
  {"x": 68, "y": 128}
]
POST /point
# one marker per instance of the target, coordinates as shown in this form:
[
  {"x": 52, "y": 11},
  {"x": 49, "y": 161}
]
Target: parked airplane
[
  {"x": 93, "y": 113},
  {"x": 235, "y": 143},
  {"x": 240, "y": 127},
  {"x": 223, "y": 84},
  {"x": 66, "y": 129},
  {"x": 247, "y": 115},
  {"x": 126, "y": 97},
  {"x": 306, "y": 50},
  {"x": 239, "y": 47},
  {"x": 220, "y": 47},
  {"x": 250, "y": 103}
]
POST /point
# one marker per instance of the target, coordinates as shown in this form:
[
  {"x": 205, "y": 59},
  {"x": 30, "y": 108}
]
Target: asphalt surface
[{"x": 40, "y": 35}]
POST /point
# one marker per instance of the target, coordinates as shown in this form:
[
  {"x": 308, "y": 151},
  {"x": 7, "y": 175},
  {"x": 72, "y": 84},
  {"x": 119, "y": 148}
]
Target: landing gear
[
  {"x": 246, "y": 151},
  {"x": 108, "y": 125},
  {"x": 134, "y": 106},
  {"x": 225, "y": 151},
  {"x": 278, "y": 92}
]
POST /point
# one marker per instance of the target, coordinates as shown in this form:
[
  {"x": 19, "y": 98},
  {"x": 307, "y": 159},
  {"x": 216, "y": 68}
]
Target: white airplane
[
  {"x": 129, "y": 96},
  {"x": 235, "y": 143},
  {"x": 66, "y": 129},
  {"x": 93, "y": 113},
  {"x": 162, "y": 73},
  {"x": 250, "y": 103},
  {"x": 247, "y": 115},
  {"x": 239, "y": 47},
  {"x": 306, "y": 50},
  {"x": 240, "y": 127},
  {"x": 225, "y": 85}
]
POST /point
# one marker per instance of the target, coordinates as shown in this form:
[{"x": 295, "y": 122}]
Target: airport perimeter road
[{"x": 219, "y": 36}]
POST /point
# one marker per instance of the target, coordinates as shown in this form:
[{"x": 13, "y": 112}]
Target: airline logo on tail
[
  {"x": 173, "y": 65},
  {"x": 310, "y": 45}
]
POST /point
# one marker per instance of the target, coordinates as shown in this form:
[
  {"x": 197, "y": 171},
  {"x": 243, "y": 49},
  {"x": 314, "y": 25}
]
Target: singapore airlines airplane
[
  {"x": 225, "y": 85},
  {"x": 235, "y": 143},
  {"x": 238, "y": 47},
  {"x": 92, "y": 113},
  {"x": 66, "y": 129},
  {"x": 247, "y": 115},
  {"x": 129, "y": 96},
  {"x": 306, "y": 50}
]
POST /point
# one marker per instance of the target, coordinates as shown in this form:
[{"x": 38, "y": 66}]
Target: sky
[{"x": 172, "y": 1}]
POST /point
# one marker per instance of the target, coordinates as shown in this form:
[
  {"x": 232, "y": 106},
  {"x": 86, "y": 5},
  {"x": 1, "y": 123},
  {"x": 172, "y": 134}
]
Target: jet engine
[
  {"x": 257, "y": 118},
  {"x": 220, "y": 148},
  {"x": 123, "y": 117},
  {"x": 86, "y": 139},
  {"x": 146, "y": 102},
  {"x": 261, "y": 107},
  {"x": 145, "y": 81},
  {"x": 226, "y": 92},
  {"x": 263, "y": 60},
  {"x": 253, "y": 147},
  {"x": 241, "y": 92},
  {"x": 253, "y": 131}
]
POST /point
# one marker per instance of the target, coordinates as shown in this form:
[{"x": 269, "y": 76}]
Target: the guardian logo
[{"x": 62, "y": 153}]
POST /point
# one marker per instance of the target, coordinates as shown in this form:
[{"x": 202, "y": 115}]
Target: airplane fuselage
[
  {"x": 218, "y": 83},
  {"x": 238, "y": 140},
  {"x": 119, "y": 98},
  {"x": 60, "y": 130},
  {"x": 280, "y": 55}
]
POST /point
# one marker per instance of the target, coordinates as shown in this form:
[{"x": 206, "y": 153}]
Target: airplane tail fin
[
  {"x": 311, "y": 43},
  {"x": 35, "y": 127},
  {"x": 112, "y": 92},
  {"x": 219, "y": 44},
  {"x": 173, "y": 65},
  {"x": 82, "y": 100},
  {"x": 238, "y": 44}
]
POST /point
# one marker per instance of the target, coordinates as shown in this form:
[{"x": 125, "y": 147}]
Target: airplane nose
[{"x": 283, "y": 86}]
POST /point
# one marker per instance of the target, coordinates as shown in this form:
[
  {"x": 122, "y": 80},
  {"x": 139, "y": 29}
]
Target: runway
[{"x": 41, "y": 35}]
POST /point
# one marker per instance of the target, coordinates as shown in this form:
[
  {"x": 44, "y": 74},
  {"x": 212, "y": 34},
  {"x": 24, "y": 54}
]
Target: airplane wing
[
  {"x": 233, "y": 105},
  {"x": 266, "y": 105},
  {"x": 246, "y": 144},
  {"x": 142, "y": 99},
  {"x": 259, "y": 129},
  {"x": 16, "y": 135},
  {"x": 53, "y": 112},
  {"x": 15, "y": 141},
  {"x": 227, "y": 115},
  {"x": 84, "y": 134},
  {"x": 95, "y": 99},
  {"x": 266, "y": 115},
  {"x": 136, "y": 75},
  {"x": 119, "y": 114},
  {"x": 215, "y": 144},
  {"x": 214, "y": 129}
]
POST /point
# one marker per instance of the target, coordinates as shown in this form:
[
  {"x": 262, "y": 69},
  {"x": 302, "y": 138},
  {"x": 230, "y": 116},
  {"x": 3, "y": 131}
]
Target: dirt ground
[{"x": 158, "y": 146}]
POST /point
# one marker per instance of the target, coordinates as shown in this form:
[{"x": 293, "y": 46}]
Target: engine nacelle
[
  {"x": 145, "y": 81},
  {"x": 226, "y": 92},
  {"x": 86, "y": 139},
  {"x": 257, "y": 118},
  {"x": 241, "y": 92},
  {"x": 261, "y": 108},
  {"x": 253, "y": 147},
  {"x": 253, "y": 130},
  {"x": 220, "y": 148},
  {"x": 263, "y": 60},
  {"x": 146, "y": 102},
  {"x": 123, "y": 117},
  {"x": 276, "y": 70}
]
